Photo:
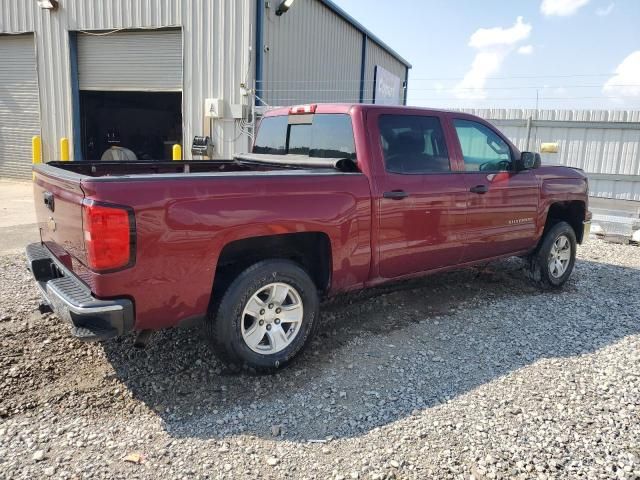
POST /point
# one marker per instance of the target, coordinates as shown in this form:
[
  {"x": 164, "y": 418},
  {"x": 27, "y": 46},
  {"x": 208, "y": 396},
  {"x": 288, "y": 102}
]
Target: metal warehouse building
[{"x": 146, "y": 74}]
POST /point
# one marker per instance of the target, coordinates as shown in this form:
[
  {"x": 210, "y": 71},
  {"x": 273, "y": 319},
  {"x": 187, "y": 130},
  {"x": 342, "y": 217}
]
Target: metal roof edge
[{"x": 339, "y": 11}]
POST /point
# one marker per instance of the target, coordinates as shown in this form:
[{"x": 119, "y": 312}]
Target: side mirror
[{"x": 528, "y": 161}]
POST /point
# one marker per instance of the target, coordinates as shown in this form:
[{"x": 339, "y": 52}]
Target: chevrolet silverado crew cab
[{"x": 332, "y": 198}]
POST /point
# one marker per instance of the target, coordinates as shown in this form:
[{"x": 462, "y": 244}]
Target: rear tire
[
  {"x": 550, "y": 266},
  {"x": 266, "y": 317}
]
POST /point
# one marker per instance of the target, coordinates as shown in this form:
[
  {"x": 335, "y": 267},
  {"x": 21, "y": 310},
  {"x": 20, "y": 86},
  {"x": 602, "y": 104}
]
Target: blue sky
[{"x": 491, "y": 53}]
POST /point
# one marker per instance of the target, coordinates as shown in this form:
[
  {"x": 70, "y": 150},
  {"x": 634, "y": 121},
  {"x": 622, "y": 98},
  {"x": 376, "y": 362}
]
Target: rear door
[
  {"x": 501, "y": 204},
  {"x": 421, "y": 200}
]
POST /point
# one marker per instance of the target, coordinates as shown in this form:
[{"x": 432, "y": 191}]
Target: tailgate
[{"x": 58, "y": 201}]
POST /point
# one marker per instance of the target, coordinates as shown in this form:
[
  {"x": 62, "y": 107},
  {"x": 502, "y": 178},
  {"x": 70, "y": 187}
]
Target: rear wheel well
[
  {"x": 310, "y": 250},
  {"x": 573, "y": 212}
]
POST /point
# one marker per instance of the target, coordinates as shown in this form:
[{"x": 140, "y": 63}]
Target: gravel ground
[{"x": 470, "y": 374}]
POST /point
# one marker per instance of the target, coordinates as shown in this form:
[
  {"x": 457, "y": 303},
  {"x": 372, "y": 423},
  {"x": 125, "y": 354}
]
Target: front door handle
[
  {"x": 481, "y": 189},
  {"x": 395, "y": 194}
]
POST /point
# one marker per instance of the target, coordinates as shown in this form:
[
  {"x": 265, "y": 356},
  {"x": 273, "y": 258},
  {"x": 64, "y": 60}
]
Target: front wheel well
[
  {"x": 573, "y": 212},
  {"x": 310, "y": 250}
]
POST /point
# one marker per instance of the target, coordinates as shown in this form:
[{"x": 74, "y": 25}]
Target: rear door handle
[
  {"x": 481, "y": 189},
  {"x": 395, "y": 194}
]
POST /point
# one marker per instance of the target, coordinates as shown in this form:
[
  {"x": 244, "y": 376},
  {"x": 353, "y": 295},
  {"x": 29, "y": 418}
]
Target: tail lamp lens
[{"x": 107, "y": 236}]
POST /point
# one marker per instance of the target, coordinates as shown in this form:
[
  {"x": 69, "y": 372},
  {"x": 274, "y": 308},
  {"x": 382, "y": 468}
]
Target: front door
[
  {"x": 421, "y": 201},
  {"x": 502, "y": 204}
]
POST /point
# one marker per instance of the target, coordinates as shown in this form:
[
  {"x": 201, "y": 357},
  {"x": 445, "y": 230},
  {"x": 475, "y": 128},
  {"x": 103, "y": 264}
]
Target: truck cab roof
[{"x": 346, "y": 108}]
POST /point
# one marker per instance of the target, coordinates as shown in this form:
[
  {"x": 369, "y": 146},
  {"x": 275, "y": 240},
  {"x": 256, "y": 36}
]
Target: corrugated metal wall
[
  {"x": 376, "y": 55},
  {"x": 216, "y": 62},
  {"x": 17, "y": 16},
  {"x": 311, "y": 55},
  {"x": 216, "y": 40},
  {"x": 605, "y": 144},
  {"x": 112, "y": 14}
]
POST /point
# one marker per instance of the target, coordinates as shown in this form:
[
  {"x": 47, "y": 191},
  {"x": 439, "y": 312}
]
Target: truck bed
[
  {"x": 181, "y": 223},
  {"x": 241, "y": 164},
  {"x": 114, "y": 168}
]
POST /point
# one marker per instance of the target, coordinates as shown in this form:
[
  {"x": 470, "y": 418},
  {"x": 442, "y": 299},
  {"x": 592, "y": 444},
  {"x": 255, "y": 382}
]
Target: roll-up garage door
[
  {"x": 149, "y": 61},
  {"x": 19, "y": 104}
]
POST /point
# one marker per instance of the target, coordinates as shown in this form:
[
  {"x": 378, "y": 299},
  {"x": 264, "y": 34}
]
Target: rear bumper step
[{"x": 91, "y": 319}]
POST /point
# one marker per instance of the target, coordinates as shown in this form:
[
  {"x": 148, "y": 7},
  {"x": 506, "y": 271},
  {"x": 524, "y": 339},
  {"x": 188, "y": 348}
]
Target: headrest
[{"x": 410, "y": 142}]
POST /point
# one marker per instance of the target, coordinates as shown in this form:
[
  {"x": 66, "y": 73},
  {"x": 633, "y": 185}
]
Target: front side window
[
  {"x": 324, "y": 136},
  {"x": 482, "y": 148},
  {"x": 413, "y": 144}
]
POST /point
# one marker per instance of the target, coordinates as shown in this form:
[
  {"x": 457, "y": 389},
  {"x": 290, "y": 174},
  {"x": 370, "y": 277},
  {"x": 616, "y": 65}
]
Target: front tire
[
  {"x": 550, "y": 266},
  {"x": 266, "y": 317}
]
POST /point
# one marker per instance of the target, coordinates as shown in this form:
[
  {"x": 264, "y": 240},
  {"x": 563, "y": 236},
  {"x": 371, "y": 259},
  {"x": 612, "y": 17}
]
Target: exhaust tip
[
  {"x": 142, "y": 339},
  {"x": 44, "y": 308}
]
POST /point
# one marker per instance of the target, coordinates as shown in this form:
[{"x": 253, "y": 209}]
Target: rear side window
[
  {"x": 272, "y": 136},
  {"x": 325, "y": 136},
  {"x": 413, "y": 144},
  {"x": 482, "y": 148}
]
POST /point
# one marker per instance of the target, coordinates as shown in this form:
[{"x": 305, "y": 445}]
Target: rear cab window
[
  {"x": 413, "y": 144},
  {"x": 320, "y": 135}
]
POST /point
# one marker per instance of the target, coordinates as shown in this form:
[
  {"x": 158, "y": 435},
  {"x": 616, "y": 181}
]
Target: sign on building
[{"x": 387, "y": 87}]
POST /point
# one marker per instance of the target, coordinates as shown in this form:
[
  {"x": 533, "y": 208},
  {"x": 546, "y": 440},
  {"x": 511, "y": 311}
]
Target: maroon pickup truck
[{"x": 332, "y": 198}]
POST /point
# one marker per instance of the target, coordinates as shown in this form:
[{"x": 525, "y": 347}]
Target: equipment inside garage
[
  {"x": 19, "y": 104},
  {"x": 147, "y": 123},
  {"x": 130, "y": 92}
]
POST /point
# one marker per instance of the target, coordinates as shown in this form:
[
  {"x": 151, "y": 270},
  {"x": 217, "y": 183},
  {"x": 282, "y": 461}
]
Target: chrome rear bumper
[{"x": 91, "y": 319}]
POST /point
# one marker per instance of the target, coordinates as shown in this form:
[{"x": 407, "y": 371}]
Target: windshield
[{"x": 325, "y": 136}]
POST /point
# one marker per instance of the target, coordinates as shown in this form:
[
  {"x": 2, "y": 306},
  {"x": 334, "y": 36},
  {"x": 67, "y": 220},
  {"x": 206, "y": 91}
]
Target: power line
[
  {"x": 509, "y": 77},
  {"x": 525, "y": 87},
  {"x": 532, "y": 97},
  {"x": 412, "y": 79}
]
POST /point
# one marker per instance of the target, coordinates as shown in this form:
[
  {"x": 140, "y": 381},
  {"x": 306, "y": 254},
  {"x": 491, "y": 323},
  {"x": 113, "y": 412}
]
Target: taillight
[{"x": 109, "y": 234}]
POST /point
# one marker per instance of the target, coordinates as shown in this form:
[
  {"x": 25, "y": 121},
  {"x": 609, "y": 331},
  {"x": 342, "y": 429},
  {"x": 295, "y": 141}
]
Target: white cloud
[
  {"x": 525, "y": 50},
  {"x": 494, "y": 45},
  {"x": 484, "y": 65},
  {"x": 491, "y": 37},
  {"x": 626, "y": 81},
  {"x": 603, "y": 12},
  {"x": 561, "y": 8}
]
